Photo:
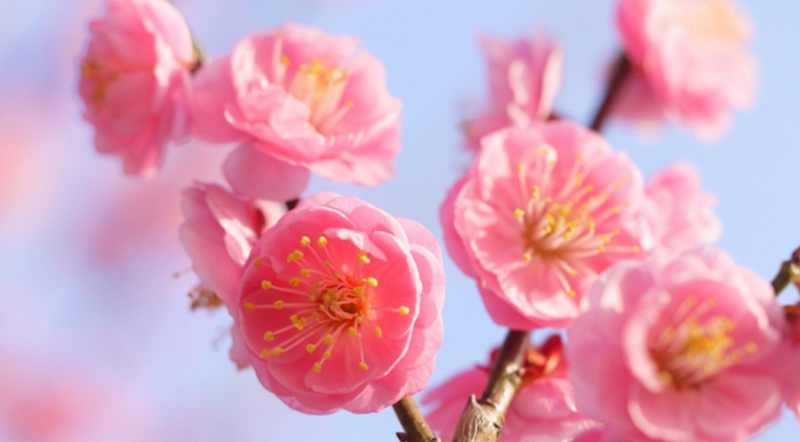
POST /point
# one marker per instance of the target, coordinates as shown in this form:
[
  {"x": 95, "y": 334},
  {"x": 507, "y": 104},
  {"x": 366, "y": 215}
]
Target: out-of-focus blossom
[
  {"x": 689, "y": 61},
  {"x": 134, "y": 81},
  {"x": 678, "y": 351},
  {"x": 540, "y": 214},
  {"x": 219, "y": 232},
  {"x": 603, "y": 434},
  {"x": 524, "y": 77},
  {"x": 340, "y": 306},
  {"x": 299, "y": 101},
  {"x": 683, "y": 215},
  {"x": 69, "y": 404},
  {"x": 543, "y": 408}
]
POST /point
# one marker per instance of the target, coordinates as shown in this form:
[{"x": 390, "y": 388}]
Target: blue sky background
[{"x": 80, "y": 289}]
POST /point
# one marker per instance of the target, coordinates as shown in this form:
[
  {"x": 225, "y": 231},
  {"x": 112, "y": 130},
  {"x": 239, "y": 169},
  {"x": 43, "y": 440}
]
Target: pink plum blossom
[
  {"x": 540, "y": 214},
  {"x": 134, "y": 81},
  {"x": 683, "y": 215},
  {"x": 340, "y": 306},
  {"x": 689, "y": 59},
  {"x": 219, "y": 232},
  {"x": 298, "y": 101},
  {"x": 524, "y": 77},
  {"x": 678, "y": 351},
  {"x": 543, "y": 408}
]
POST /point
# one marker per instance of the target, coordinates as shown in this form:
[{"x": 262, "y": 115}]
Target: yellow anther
[
  {"x": 285, "y": 60},
  {"x": 337, "y": 275},
  {"x": 602, "y": 249},
  {"x": 294, "y": 282},
  {"x": 519, "y": 213},
  {"x": 548, "y": 200},
  {"x": 359, "y": 319},
  {"x": 304, "y": 320},
  {"x": 317, "y": 367},
  {"x": 616, "y": 231},
  {"x": 349, "y": 103},
  {"x": 372, "y": 282},
  {"x": 327, "y": 264},
  {"x": 581, "y": 157},
  {"x": 520, "y": 169},
  {"x": 353, "y": 332},
  {"x": 266, "y": 285},
  {"x": 751, "y": 347},
  {"x": 249, "y": 306},
  {"x": 328, "y": 339},
  {"x": 363, "y": 365},
  {"x": 616, "y": 210},
  {"x": 403, "y": 310},
  {"x": 293, "y": 318},
  {"x": 268, "y": 336},
  {"x": 618, "y": 186},
  {"x": 305, "y": 241},
  {"x": 265, "y": 353},
  {"x": 298, "y": 254},
  {"x": 571, "y": 293},
  {"x": 526, "y": 257},
  {"x": 589, "y": 188},
  {"x": 665, "y": 377},
  {"x": 573, "y": 272},
  {"x": 548, "y": 229},
  {"x": 279, "y": 304},
  {"x": 363, "y": 258},
  {"x": 277, "y": 351},
  {"x": 312, "y": 298},
  {"x": 321, "y": 307},
  {"x": 605, "y": 238},
  {"x": 310, "y": 348},
  {"x": 322, "y": 241},
  {"x": 358, "y": 290},
  {"x": 378, "y": 332},
  {"x": 258, "y": 262},
  {"x": 636, "y": 249},
  {"x": 326, "y": 354},
  {"x": 305, "y": 273}
]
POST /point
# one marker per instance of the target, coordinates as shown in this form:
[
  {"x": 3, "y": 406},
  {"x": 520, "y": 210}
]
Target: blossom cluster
[{"x": 336, "y": 304}]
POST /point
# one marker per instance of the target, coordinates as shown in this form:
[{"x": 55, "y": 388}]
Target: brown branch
[
  {"x": 482, "y": 420},
  {"x": 416, "y": 429},
  {"x": 788, "y": 273},
  {"x": 622, "y": 68}
]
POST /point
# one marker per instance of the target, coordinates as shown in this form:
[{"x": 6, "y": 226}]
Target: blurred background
[{"x": 97, "y": 342}]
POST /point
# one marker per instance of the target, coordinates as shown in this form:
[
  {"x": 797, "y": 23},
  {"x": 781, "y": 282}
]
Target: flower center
[
  {"x": 100, "y": 77},
  {"x": 712, "y": 21},
  {"x": 693, "y": 349},
  {"x": 328, "y": 300},
  {"x": 319, "y": 87},
  {"x": 562, "y": 226}
]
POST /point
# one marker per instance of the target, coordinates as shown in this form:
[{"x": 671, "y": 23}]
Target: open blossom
[
  {"x": 678, "y": 351},
  {"x": 682, "y": 214},
  {"x": 219, "y": 231},
  {"x": 340, "y": 306},
  {"x": 543, "y": 409},
  {"x": 524, "y": 77},
  {"x": 689, "y": 60},
  {"x": 134, "y": 81},
  {"x": 299, "y": 101},
  {"x": 540, "y": 214}
]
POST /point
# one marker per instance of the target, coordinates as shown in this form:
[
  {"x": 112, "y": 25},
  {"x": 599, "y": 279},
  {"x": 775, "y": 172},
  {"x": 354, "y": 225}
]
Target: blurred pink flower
[
  {"x": 218, "y": 234},
  {"x": 524, "y": 77},
  {"x": 134, "y": 80},
  {"x": 603, "y": 434},
  {"x": 539, "y": 215},
  {"x": 339, "y": 306},
  {"x": 543, "y": 408},
  {"x": 300, "y": 101},
  {"x": 678, "y": 351},
  {"x": 683, "y": 215},
  {"x": 692, "y": 56}
]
